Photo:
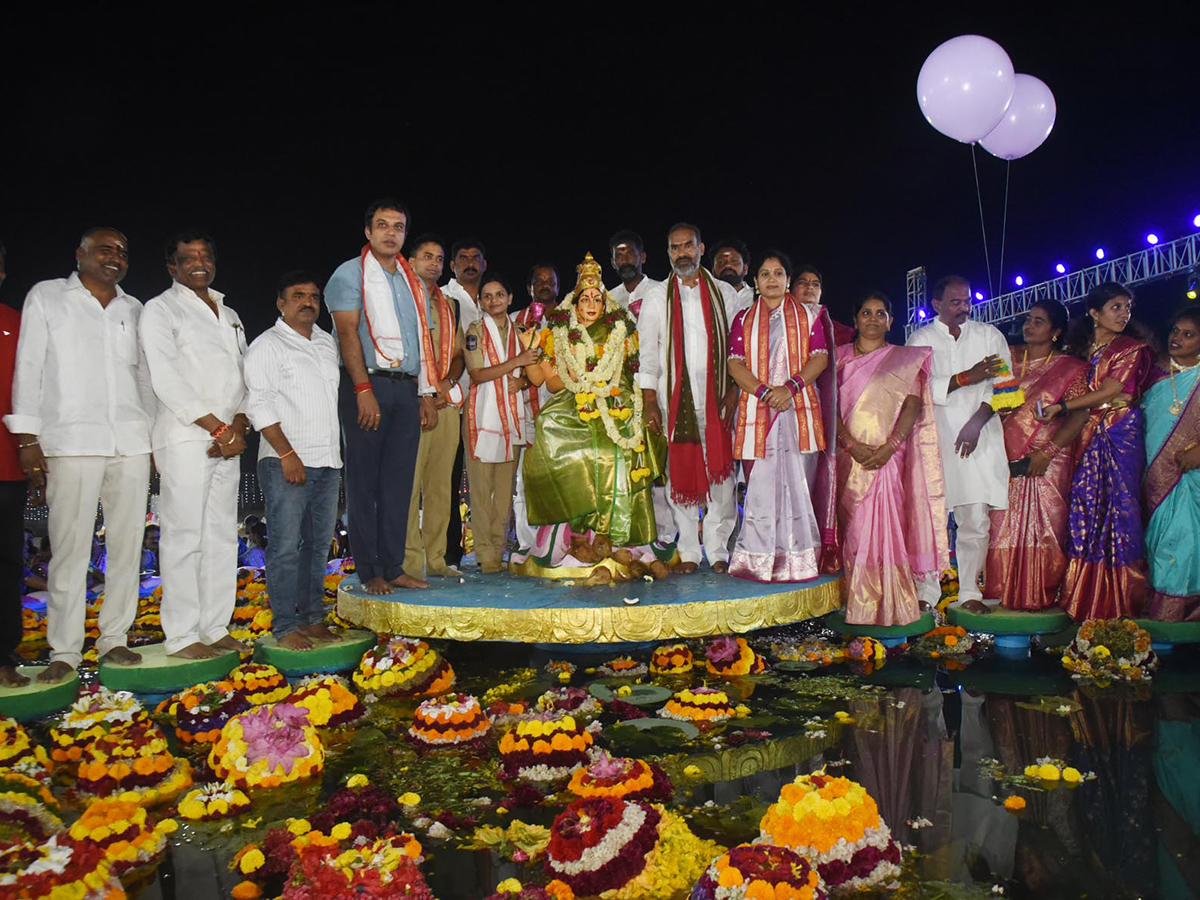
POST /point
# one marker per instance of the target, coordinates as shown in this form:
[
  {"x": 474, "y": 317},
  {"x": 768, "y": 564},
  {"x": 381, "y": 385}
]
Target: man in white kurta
[
  {"x": 194, "y": 344},
  {"x": 81, "y": 415},
  {"x": 720, "y": 512},
  {"x": 966, "y": 356}
]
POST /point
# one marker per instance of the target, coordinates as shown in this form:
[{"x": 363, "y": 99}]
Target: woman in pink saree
[
  {"x": 1026, "y": 550},
  {"x": 891, "y": 499}
]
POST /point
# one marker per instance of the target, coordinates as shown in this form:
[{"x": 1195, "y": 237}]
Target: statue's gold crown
[{"x": 589, "y": 275}]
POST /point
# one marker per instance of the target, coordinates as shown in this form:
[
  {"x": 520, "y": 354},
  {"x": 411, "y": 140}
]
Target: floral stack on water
[
  {"x": 98, "y": 711},
  {"x": 259, "y": 683},
  {"x": 329, "y": 701},
  {"x": 135, "y": 762},
  {"x": 404, "y": 667},
  {"x": 449, "y": 721},
  {"x": 626, "y": 779},
  {"x": 732, "y": 657},
  {"x": 836, "y": 825},
  {"x": 1110, "y": 650},
  {"x": 671, "y": 659},
  {"x": 19, "y": 752},
  {"x": 702, "y": 705},
  {"x": 199, "y": 713},
  {"x": 267, "y": 746},
  {"x": 545, "y": 748},
  {"x": 213, "y": 801},
  {"x": 124, "y": 831},
  {"x": 58, "y": 867},
  {"x": 751, "y": 871}
]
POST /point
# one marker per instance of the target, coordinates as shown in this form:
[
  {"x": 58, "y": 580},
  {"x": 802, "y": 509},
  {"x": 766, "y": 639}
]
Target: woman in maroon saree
[
  {"x": 1026, "y": 561},
  {"x": 1106, "y": 566}
]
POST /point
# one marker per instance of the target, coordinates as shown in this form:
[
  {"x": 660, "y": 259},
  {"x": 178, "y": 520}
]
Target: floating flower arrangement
[
  {"x": 671, "y": 659},
  {"x": 199, "y": 713},
  {"x": 134, "y": 763},
  {"x": 329, "y": 701},
  {"x": 448, "y": 721},
  {"x": 259, "y": 683},
  {"x": 267, "y": 746},
  {"x": 213, "y": 801},
  {"x": 404, "y": 667},
  {"x": 97, "y": 712},
  {"x": 622, "y": 667},
  {"x": 751, "y": 871},
  {"x": 1110, "y": 650},
  {"x": 545, "y": 748},
  {"x": 703, "y": 704},
  {"x": 625, "y": 779},
  {"x": 732, "y": 657}
]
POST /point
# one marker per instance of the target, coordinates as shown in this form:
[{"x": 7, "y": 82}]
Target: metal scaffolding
[{"x": 1165, "y": 260}]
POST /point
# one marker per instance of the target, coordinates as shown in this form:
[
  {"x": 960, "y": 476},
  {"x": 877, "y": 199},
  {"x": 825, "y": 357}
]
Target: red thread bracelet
[{"x": 362, "y": 387}]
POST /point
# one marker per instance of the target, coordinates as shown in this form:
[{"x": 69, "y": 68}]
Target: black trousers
[
  {"x": 12, "y": 567},
  {"x": 454, "y": 529},
  {"x": 379, "y": 468}
]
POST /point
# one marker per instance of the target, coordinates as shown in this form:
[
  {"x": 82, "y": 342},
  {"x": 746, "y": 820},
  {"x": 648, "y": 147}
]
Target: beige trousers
[
  {"x": 429, "y": 510},
  {"x": 491, "y": 502}
]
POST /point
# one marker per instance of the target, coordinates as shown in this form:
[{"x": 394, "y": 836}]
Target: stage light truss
[{"x": 1162, "y": 260}]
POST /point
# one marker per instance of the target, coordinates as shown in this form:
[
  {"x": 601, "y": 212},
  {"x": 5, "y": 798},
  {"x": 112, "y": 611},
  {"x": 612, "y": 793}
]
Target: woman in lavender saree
[
  {"x": 1172, "y": 487},
  {"x": 779, "y": 357},
  {"x": 891, "y": 498},
  {"x": 1026, "y": 558},
  {"x": 1106, "y": 567}
]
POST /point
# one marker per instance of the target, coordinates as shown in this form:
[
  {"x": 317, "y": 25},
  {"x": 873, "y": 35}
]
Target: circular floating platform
[
  {"x": 323, "y": 659},
  {"x": 888, "y": 635},
  {"x": 505, "y": 607},
  {"x": 1012, "y": 628},
  {"x": 1165, "y": 635},
  {"x": 158, "y": 673},
  {"x": 35, "y": 700}
]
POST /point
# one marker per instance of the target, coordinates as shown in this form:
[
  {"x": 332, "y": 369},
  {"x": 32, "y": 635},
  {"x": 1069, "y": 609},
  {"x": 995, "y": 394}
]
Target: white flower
[
  {"x": 384, "y": 664},
  {"x": 438, "y": 831},
  {"x": 919, "y": 822},
  {"x": 599, "y": 855}
]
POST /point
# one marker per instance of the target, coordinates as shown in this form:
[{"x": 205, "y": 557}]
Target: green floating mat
[
  {"x": 158, "y": 673},
  {"x": 36, "y": 700},
  {"x": 836, "y": 620},
  {"x": 1171, "y": 632},
  {"x": 1008, "y": 621},
  {"x": 323, "y": 659},
  {"x": 639, "y": 694}
]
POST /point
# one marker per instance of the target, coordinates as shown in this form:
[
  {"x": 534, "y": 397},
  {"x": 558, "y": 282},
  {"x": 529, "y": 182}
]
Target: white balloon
[
  {"x": 965, "y": 86},
  {"x": 1026, "y": 123}
]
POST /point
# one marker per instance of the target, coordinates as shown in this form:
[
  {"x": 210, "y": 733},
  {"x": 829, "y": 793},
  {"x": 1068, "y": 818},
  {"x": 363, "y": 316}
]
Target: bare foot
[
  {"x": 10, "y": 677},
  {"x": 55, "y": 672},
  {"x": 687, "y": 568},
  {"x": 294, "y": 640},
  {"x": 378, "y": 585},
  {"x": 408, "y": 581},
  {"x": 121, "y": 656},
  {"x": 975, "y": 606},
  {"x": 720, "y": 567},
  {"x": 229, "y": 642},
  {"x": 196, "y": 650},
  {"x": 319, "y": 632}
]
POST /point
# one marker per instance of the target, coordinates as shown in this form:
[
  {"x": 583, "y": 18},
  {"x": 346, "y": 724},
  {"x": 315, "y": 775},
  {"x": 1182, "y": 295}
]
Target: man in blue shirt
[{"x": 383, "y": 370}]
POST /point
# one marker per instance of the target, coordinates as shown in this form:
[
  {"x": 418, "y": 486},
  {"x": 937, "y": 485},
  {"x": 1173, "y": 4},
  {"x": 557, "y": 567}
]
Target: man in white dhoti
[
  {"x": 966, "y": 356},
  {"x": 684, "y": 354}
]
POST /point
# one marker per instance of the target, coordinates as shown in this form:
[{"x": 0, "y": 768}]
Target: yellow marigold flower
[
  {"x": 252, "y": 861},
  {"x": 624, "y": 690},
  {"x": 1071, "y": 775},
  {"x": 409, "y": 798},
  {"x": 509, "y": 886},
  {"x": 564, "y": 677},
  {"x": 168, "y": 826},
  {"x": 1032, "y": 771},
  {"x": 742, "y": 711},
  {"x": 691, "y": 771},
  {"x": 357, "y": 781},
  {"x": 1014, "y": 803},
  {"x": 298, "y": 826},
  {"x": 1048, "y": 772},
  {"x": 340, "y": 831}
]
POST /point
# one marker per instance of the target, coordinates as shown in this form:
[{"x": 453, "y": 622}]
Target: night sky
[{"x": 542, "y": 132}]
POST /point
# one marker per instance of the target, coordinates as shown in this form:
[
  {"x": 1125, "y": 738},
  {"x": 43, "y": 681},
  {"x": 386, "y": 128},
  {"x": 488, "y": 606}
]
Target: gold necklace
[
  {"x": 1176, "y": 406},
  {"x": 1025, "y": 360}
]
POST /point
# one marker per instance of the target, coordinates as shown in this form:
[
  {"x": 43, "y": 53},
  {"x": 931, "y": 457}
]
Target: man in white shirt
[
  {"x": 966, "y": 356},
  {"x": 468, "y": 261},
  {"x": 429, "y": 510},
  {"x": 628, "y": 256},
  {"x": 731, "y": 264},
  {"x": 81, "y": 402},
  {"x": 386, "y": 395},
  {"x": 684, "y": 352},
  {"x": 194, "y": 345},
  {"x": 292, "y": 386}
]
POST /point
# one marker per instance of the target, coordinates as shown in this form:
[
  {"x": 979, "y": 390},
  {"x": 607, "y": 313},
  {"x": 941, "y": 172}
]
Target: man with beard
[
  {"x": 386, "y": 396},
  {"x": 80, "y": 414},
  {"x": 731, "y": 264},
  {"x": 542, "y": 285},
  {"x": 966, "y": 357},
  {"x": 628, "y": 257},
  {"x": 194, "y": 346},
  {"x": 429, "y": 510},
  {"x": 292, "y": 384},
  {"x": 468, "y": 261},
  {"x": 684, "y": 376}
]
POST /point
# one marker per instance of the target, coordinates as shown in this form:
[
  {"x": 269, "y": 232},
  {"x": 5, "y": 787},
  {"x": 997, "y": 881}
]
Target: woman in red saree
[
  {"x": 1026, "y": 558},
  {"x": 1106, "y": 565},
  {"x": 891, "y": 499}
]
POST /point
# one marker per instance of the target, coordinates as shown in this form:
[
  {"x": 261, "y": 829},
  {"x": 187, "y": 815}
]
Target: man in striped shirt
[{"x": 291, "y": 373}]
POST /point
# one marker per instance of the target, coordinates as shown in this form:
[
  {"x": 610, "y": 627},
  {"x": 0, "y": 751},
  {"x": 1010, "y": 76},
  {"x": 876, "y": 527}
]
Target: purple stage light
[
  {"x": 1099, "y": 253},
  {"x": 1060, "y": 269},
  {"x": 1152, "y": 239},
  {"x": 978, "y": 295},
  {"x": 1018, "y": 281},
  {"x": 920, "y": 313},
  {"x": 1196, "y": 221}
]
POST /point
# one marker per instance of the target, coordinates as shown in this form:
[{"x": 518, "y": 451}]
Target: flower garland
[
  {"x": 703, "y": 704},
  {"x": 329, "y": 700},
  {"x": 450, "y": 720},
  {"x": 1108, "y": 650},
  {"x": 213, "y": 801},
  {"x": 836, "y": 825},
  {"x": 733, "y": 657},
  {"x": 259, "y": 683},
  {"x": 404, "y": 667},
  {"x": 671, "y": 659},
  {"x": 760, "y": 870},
  {"x": 267, "y": 746},
  {"x": 589, "y": 381},
  {"x": 622, "y": 778},
  {"x": 599, "y": 844}
]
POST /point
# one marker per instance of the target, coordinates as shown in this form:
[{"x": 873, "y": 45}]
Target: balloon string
[
  {"x": 982, "y": 227},
  {"x": 1004, "y": 227}
]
